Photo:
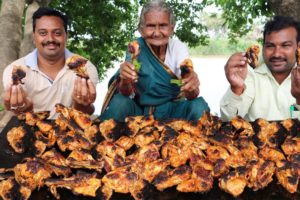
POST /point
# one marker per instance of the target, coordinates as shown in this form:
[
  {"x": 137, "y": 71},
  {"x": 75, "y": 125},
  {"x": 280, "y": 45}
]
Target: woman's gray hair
[{"x": 157, "y": 5}]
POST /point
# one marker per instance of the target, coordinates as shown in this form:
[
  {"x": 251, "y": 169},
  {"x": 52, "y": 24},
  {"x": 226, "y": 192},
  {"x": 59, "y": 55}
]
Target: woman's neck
[{"x": 160, "y": 51}]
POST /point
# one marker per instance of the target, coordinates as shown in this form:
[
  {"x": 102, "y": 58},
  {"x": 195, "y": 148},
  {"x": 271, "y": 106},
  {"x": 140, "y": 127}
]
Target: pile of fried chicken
[{"x": 97, "y": 158}]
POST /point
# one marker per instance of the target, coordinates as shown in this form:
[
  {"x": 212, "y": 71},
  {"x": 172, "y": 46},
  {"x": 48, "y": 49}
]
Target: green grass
[{"x": 222, "y": 47}]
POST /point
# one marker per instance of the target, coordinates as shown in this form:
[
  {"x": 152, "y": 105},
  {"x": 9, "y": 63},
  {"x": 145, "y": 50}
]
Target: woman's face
[{"x": 157, "y": 28}]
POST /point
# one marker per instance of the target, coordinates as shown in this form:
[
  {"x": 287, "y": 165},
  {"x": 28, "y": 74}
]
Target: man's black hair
[
  {"x": 281, "y": 22},
  {"x": 44, "y": 11}
]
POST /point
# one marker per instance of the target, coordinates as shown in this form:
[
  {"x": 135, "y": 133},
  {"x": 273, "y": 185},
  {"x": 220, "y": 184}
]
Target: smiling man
[
  {"x": 149, "y": 90},
  {"x": 271, "y": 91},
  {"x": 48, "y": 79}
]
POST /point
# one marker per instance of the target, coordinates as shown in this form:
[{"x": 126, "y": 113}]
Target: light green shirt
[{"x": 263, "y": 98}]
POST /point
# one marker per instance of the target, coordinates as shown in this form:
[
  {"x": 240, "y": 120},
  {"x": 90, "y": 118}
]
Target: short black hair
[
  {"x": 281, "y": 22},
  {"x": 45, "y": 11}
]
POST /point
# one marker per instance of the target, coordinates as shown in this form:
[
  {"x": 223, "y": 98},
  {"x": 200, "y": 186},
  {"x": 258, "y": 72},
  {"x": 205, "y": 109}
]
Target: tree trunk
[
  {"x": 10, "y": 36},
  {"x": 289, "y": 8},
  {"x": 27, "y": 44}
]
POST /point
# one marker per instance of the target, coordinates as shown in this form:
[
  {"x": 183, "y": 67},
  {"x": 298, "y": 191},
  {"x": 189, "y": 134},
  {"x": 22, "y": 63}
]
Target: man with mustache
[
  {"x": 48, "y": 79},
  {"x": 272, "y": 90}
]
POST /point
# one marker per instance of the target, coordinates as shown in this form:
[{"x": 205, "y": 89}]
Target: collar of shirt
[{"x": 31, "y": 59}]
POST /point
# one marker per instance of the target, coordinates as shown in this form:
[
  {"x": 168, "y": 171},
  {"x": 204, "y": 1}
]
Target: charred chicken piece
[
  {"x": 134, "y": 49},
  {"x": 32, "y": 173},
  {"x": 260, "y": 173},
  {"x": 123, "y": 180},
  {"x": 138, "y": 122},
  {"x": 81, "y": 183},
  {"x": 111, "y": 130},
  {"x": 186, "y": 68},
  {"x": 291, "y": 145},
  {"x": 208, "y": 123},
  {"x": 40, "y": 147},
  {"x": 110, "y": 149},
  {"x": 77, "y": 64},
  {"x": 252, "y": 56},
  {"x": 247, "y": 148},
  {"x": 172, "y": 177},
  {"x": 125, "y": 142},
  {"x": 267, "y": 133},
  {"x": 215, "y": 153},
  {"x": 83, "y": 159},
  {"x": 72, "y": 140},
  {"x": 15, "y": 138},
  {"x": 272, "y": 154},
  {"x": 81, "y": 119},
  {"x": 11, "y": 190},
  {"x": 176, "y": 153},
  {"x": 32, "y": 118},
  {"x": 146, "y": 136},
  {"x": 148, "y": 153},
  {"x": 234, "y": 182},
  {"x": 18, "y": 73},
  {"x": 287, "y": 176},
  {"x": 56, "y": 162},
  {"x": 200, "y": 181},
  {"x": 243, "y": 127}
]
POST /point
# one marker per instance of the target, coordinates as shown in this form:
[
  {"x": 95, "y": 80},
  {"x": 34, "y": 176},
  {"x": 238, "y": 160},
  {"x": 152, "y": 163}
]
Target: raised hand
[
  {"x": 16, "y": 100},
  {"x": 236, "y": 72}
]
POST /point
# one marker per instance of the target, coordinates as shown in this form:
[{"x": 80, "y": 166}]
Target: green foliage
[
  {"x": 240, "y": 15},
  {"x": 222, "y": 47}
]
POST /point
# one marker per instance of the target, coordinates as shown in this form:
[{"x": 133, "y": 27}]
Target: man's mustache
[
  {"x": 274, "y": 59},
  {"x": 50, "y": 42}
]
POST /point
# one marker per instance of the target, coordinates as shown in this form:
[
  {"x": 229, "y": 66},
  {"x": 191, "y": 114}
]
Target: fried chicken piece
[
  {"x": 272, "y": 154},
  {"x": 236, "y": 158},
  {"x": 77, "y": 64},
  {"x": 11, "y": 190},
  {"x": 146, "y": 136},
  {"x": 243, "y": 127},
  {"x": 113, "y": 163},
  {"x": 247, "y": 148},
  {"x": 125, "y": 142},
  {"x": 123, "y": 180},
  {"x": 18, "y": 73},
  {"x": 234, "y": 182},
  {"x": 110, "y": 149},
  {"x": 81, "y": 119},
  {"x": 57, "y": 162},
  {"x": 47, "y": 132},
  {"x": 134, "y": 49},
  {"x": 72, "y": 140},
  {"x": 215, "y": 153},
  {"x": 252, "y": 56},
  {"x": 32, "y": 173},
  {"x": 40, "y": 147},
  {"x": 81, "y": 183},
  {"x": 83, "y": 159},
  {"x": 260, "y": 173},
  {"x": 32, "y": 118},
  {"x": 136, "y": 123},
  {"x": 172, "y": 177},
  {"x": 200, "y": 181},
  {"x": 176, "y": 153},
  {"x": 287, "y": 176},
  {"x": 150, "y": 170},
  {"x": 208, "y": 123},
  {"x": 148, "y": 153},
  {"x": 192, "y": 140},
  {"x": 186, "y": 68},
  {"x": 267, "y": 134},
  {"x": 111, "y": 130},
  {"x": 220, "y": 168},
  {"x": 168, "y": 134},
  {"x": 291, "y": 145},
  {"x": 16, "y": 137}
]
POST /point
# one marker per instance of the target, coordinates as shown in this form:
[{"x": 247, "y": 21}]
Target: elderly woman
[{"x": 150, "y": 90}]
